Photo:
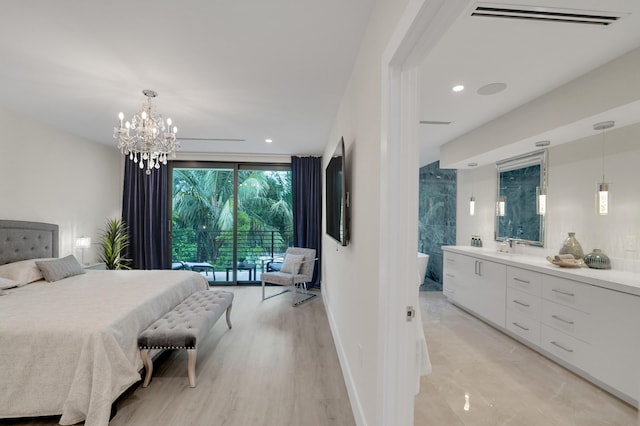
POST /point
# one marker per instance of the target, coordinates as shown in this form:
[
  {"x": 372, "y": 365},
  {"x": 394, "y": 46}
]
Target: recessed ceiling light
[
  {"x": 540, "y": 144},
  {"x": 268, "y": 140},
  {"x": 458, "y": 88},
  {"x": 491, "y": 88},
  {"x": 472, "y": 164}
]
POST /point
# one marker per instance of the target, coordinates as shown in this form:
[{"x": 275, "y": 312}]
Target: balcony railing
[{"x": 216, "y": 247}]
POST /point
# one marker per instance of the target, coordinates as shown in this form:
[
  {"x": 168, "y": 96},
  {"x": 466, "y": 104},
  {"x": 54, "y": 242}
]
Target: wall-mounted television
[{"x": 337, "y": 193}]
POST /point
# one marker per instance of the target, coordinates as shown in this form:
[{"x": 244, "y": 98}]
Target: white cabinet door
[
  {"x": 479, "y": 285},
  {"x": 616, "y": 330},
  {"x": 489, "y": 291}
]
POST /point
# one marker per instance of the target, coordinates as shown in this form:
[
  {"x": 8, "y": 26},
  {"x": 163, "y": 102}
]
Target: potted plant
[{"x": 114, "y": 240}]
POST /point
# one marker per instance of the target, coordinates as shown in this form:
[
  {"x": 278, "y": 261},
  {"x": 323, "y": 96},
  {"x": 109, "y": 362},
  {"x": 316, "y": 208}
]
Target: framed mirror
[{"x": 520, "y": 212}]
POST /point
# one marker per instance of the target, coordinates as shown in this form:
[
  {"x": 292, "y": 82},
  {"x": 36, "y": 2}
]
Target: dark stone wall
[{"x": 436, "y": 219}]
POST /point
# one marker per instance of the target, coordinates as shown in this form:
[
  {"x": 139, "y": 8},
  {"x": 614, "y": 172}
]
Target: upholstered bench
[{"x": 184, "y": 327}]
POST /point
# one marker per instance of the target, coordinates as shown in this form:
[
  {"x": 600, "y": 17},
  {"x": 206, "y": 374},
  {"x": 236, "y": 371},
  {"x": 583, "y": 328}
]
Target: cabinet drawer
[
  {"x": 523, "y": 326},
  {"x": 523, "y": 303},
  {"x": 570, "y": 349},
  {"x": 524, "y": 280},
  {"x": 568, "y": 320},
  {"x": 450, "y": 286},
  {"x": 568, "y": 293}
]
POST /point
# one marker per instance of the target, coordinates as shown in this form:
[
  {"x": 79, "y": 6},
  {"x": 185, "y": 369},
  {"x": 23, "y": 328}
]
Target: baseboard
[{"x": 354, "y": 399}]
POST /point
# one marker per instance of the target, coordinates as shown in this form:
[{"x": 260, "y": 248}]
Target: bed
[{"x": 69, "y": 347}]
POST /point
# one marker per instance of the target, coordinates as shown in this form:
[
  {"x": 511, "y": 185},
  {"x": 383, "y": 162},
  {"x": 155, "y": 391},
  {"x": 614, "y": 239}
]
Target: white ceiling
[
  {"x": 229, "y": 69},
  {"x": 223, "y": 69},
  {"x": 530, "y": 57}
]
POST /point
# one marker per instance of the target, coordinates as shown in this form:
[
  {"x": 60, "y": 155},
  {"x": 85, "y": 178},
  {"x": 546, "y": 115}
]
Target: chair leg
[
  {"x": 304, "y": 292},
  {"x": 191, "y": 366},
  {"x": 229, "y": 316},
  {"x": 148, "y": 366},
  {"x": 272, "y": 295}
]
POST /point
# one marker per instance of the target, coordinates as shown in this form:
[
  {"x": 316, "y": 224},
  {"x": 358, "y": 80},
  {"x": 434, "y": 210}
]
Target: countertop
[{"x": 622, "y": 281}]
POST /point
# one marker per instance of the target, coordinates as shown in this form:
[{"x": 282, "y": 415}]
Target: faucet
[{"x": 513, "y": 243}]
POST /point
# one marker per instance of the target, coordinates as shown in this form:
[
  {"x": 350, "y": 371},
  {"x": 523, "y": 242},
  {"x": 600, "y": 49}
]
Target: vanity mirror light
[{"x": 520, "y": 181}]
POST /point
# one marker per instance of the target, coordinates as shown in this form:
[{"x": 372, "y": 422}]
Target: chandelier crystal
[{"x": 147, "y": 139}]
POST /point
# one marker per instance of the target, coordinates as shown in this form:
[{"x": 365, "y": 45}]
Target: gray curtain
[
  {"x": 144, "y": 210},
  {"x": 306, "y": 182}
]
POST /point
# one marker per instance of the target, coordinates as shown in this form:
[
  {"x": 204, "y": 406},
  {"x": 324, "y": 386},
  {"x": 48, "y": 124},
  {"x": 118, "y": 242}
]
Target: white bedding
[{"x": 70, "y": 347}]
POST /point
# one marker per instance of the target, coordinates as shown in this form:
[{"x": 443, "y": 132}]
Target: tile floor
[{"x": 483, "y": 377}]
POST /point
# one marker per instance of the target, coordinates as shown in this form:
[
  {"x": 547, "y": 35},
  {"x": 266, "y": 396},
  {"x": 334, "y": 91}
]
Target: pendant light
[
  {"x": 602, "y": 194},
  {"x": 472, "y": 200},
  {"x": 541, "y": 201},
  {"x": 501, "y": 205}
]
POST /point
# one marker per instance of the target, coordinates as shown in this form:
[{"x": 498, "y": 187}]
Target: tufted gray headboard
[{"x": 27, "y": 240}]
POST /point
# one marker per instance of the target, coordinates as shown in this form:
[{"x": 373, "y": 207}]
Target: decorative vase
[
  {"x": 572, "y": 246},
  {"x": 597, "y": 260}
]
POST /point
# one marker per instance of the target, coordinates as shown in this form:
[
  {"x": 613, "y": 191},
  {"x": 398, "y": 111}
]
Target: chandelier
[{"x": 147, "y": 139}]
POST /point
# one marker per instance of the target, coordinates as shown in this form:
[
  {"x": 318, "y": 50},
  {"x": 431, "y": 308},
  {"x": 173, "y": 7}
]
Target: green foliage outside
[{"x": 202, "y": 218}]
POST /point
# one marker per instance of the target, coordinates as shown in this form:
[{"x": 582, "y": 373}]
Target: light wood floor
[
  {"x": 503, "y": 381},
  {"x": 277, "y": 366}
]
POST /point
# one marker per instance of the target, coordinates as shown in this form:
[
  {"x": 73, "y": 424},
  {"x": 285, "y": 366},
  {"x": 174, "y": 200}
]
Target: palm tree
[{"x": 203, "y": 204}]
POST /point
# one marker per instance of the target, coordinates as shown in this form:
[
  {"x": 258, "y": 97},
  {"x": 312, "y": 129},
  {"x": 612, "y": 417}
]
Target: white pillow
[
  {"x": 292, "y": 261},
  {"x": 24, "y": 271},
  {"x": 57, "y": 269},
  {"x": 7, "y": 283}
]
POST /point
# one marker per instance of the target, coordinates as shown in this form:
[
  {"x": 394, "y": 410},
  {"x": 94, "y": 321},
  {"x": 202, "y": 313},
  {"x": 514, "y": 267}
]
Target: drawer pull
[
  {"x": 562, "y": 319},
  {"x": 450, "y": 275},
  {"x": 561, "y": 347},
  {"x": 521, "y": 280},
  {"x": 520, "y": 326},
  {"x": 522, "y": 303},
  {"x": 566, "y": 293}
]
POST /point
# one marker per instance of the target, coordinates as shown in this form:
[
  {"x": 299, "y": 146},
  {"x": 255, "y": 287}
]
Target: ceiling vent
[
  {"x": 548, "y": 14},
  {"x": 443, "y": 123}
]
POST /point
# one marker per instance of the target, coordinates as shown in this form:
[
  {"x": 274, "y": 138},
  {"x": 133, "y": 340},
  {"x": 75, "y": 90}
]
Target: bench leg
[
  {"x": 191, "y": 367},
  {"x": 229, "y": 315},
  {"x": 148, "y": 366}
]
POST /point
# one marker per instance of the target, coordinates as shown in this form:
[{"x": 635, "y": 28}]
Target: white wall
[
  {"x": 574, "y": 170},
  {"x": 52, "y": 176},
  {"x": 350, "y": 274}
]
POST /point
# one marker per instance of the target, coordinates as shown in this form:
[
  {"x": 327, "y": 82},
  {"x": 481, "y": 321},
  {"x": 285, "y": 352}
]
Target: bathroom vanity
[{"x": 586, "y": 320}]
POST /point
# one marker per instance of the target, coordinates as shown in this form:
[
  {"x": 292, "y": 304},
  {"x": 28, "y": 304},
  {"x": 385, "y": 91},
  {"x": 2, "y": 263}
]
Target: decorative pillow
[
  {"x": 24, "y": 271},
  {"x": 292, "y": 261},
  {"x": 7, "y": 283},
  {"x": 57, "y": 269}
]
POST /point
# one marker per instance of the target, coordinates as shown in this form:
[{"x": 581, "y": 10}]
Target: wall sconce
[
  {"x": 83, "y": 243},
  {"x": 541, "y": 201},
  {"x": 472, "y": 206},
  {"x": 602, "y": 194},
  {"x": 501, "y": 205}
]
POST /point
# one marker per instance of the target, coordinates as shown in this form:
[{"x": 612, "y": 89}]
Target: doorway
[{"x": 229, "y": 220}]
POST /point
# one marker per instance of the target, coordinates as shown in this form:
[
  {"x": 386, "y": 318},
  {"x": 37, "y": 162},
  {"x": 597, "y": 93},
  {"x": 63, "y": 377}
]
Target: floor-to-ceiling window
[{"x": 229, "y": 219}]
